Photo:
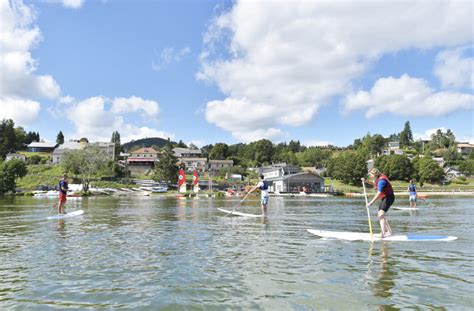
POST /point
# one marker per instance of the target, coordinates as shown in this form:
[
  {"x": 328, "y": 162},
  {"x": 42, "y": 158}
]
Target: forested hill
[{"x": 146, "y": 142}]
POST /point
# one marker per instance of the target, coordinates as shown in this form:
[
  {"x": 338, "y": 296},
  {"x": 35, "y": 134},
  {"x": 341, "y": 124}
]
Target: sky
[{"x": 320, "y": 72}]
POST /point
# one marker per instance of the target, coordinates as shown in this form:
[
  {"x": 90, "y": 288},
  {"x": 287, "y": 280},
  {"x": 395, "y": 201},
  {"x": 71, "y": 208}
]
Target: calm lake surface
[{"x": 156, "y": 253}]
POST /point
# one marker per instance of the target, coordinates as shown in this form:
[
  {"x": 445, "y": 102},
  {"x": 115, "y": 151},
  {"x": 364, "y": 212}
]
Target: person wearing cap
[
  {"x": 263, "y": 186},
  {"x": 412, "y": 192},
  {"x": 386, "y": 195},
  {"x": 63, "y": 187}
]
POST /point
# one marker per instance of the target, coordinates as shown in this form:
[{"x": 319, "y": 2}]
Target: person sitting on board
[
  {"x": 386, "y": 196},
  {"x": 63, "y": 187},
  {"x": 263, "y": 186},
  {"x": 413, "y": 195}
]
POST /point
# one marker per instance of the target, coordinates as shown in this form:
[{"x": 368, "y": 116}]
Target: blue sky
[{"x": 237, "y": 71}]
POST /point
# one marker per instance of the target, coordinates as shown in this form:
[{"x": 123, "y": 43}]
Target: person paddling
[
  {"x": 63, "y": 187},
  {"x": 386, "y": 196},
  {"x": 412, "y": 192},
  {"x": 263, "y": 186}
]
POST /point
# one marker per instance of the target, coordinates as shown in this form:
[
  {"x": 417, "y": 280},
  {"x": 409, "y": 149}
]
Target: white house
[{"x": 17, "y": 156}]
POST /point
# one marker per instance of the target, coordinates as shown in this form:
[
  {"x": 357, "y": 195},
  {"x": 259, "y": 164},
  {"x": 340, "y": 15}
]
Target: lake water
[{"x": 160, "y": 253}]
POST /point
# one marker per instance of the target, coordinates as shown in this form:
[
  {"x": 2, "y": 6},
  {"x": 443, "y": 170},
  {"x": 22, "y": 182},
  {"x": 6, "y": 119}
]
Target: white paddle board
[
  {"x": 362, "y": 236},
  {"x": 234, "y": 213},
  {"x": 68, "y": 215},
  {"x": 401, "y": 208}
]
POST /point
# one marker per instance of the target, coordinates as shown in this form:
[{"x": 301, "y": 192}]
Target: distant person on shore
[
  {"x": 263, "y": 186},
  {"x": 63, "y": 187},
  {"x": 412, "y": 193},
  {"x": 386, "y": 196}
]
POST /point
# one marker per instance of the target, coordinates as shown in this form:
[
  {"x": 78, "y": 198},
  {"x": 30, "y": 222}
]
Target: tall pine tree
[
  {"x": 60, "y": 138},
  {"x": 406, "y": 136}
]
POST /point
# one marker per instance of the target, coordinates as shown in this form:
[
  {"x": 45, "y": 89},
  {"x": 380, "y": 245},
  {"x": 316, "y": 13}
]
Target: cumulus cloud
[
  {"x": 97, "y": 117},
  {"x": 454, "y": 69},
  {"x": 169, "y": 55},
  {"x": 122, "y": 105},
  {"x": 318, "y": 143},
  {"x": 406, "y": 96},
  {"x": 18, "y": 35},
  {"x": 22, "y": 111},
  {"x": 284, "y": 60}
]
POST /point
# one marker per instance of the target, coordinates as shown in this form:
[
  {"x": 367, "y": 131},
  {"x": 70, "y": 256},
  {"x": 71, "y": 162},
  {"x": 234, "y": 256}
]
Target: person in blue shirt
[
  {"x": 387, "y": 197},
  {"x": 63, "y": 187},
  {"x": 263, "y": 186},
  {"x": 412, "y": 193}
]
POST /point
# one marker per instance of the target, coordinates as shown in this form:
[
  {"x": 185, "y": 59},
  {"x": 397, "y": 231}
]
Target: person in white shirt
[{"x": 263, "y": 186}]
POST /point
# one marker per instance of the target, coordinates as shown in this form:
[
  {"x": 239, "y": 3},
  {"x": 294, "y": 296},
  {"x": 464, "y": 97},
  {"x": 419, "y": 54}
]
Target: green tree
[
  {"x": 116, "y": 140},
  {"x": 60, "y": 138},
  {"x": 406, "y": 136},
  {"x": 314, "y": 156},
  {"x": 428, "y": 170},
  {"x": 10, "y": 171},
  {"x": 7, "y": 137},
  {"x": 220, "y": 151},
  {"x": 399, "y": 168},
  {"x": 348, "y": 166},
  {"x": 467, "y": 167},
  {"x": 86, "y": 163},
  {"x": 166, "y": 167}
]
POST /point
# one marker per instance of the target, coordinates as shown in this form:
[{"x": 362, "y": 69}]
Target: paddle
[
  {"x": 240, "y": 202},
  {"x": 368, "y": 213}
]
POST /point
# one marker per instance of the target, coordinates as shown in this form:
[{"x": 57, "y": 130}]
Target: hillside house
[
  {"x": 41, "y": 147},
  {"x": 464, "y": 148},
  {"x": 215, "y": 165},
  {"x": 181, "y": 153}
]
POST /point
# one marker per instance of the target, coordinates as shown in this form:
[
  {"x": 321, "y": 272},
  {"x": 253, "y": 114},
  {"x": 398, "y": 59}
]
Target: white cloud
[
  {"x": 455, "y": 70},
  {"x": 427, "y": 134},
  {"x": 21, "y": 111},
  {"x": 406, "y": 96},
  {"x": 18, "y": 35},
  {"x": 286, "y": 59},
  {"x": 72, "y": 4},
  {"x": 317, "y": 143},
  {"x": 169, "y": 55},
  {"x": 93, "y": 119},
  {"x": 122, "y": 105}
]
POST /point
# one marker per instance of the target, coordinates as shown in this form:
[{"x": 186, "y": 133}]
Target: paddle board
[
  {"x": 362, "y": 236},
  {"x": 401, "y": 208},
  {"x": 68, "y": 215},
  {"x": 234, "y": 213}
]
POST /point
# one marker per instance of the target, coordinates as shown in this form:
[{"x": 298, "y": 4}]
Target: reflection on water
[{"x": 168, "y": 253}]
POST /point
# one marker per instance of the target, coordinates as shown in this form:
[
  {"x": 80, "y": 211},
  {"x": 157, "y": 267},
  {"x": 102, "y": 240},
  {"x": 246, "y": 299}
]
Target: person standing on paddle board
[
  {"x": 412, "y": 192},
  {"x": 263, "y": 186},
  {"x": 386, "y": 196},
  {"x": 63, "y": 187}
]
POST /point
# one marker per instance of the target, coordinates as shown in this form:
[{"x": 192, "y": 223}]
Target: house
[
  {"x": 41, "y": 147},
  {"x": 439, "y": 160},
  {"x": 141, "y": 161},
  {"x": 192, "y": 164},
  {"x": 464, "y": 148},
  {"x": 451, "y": 173},
  {"x": 215, "y": 165},
  {"x": 107, "y": 148},
  {"x": 289, "y": 178},
  {"x": 393, "y": 148},
  {"x": 13, "y": 156},
  {"x": 186, "y": 153},
  {"x": 67, "y": 146}
]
